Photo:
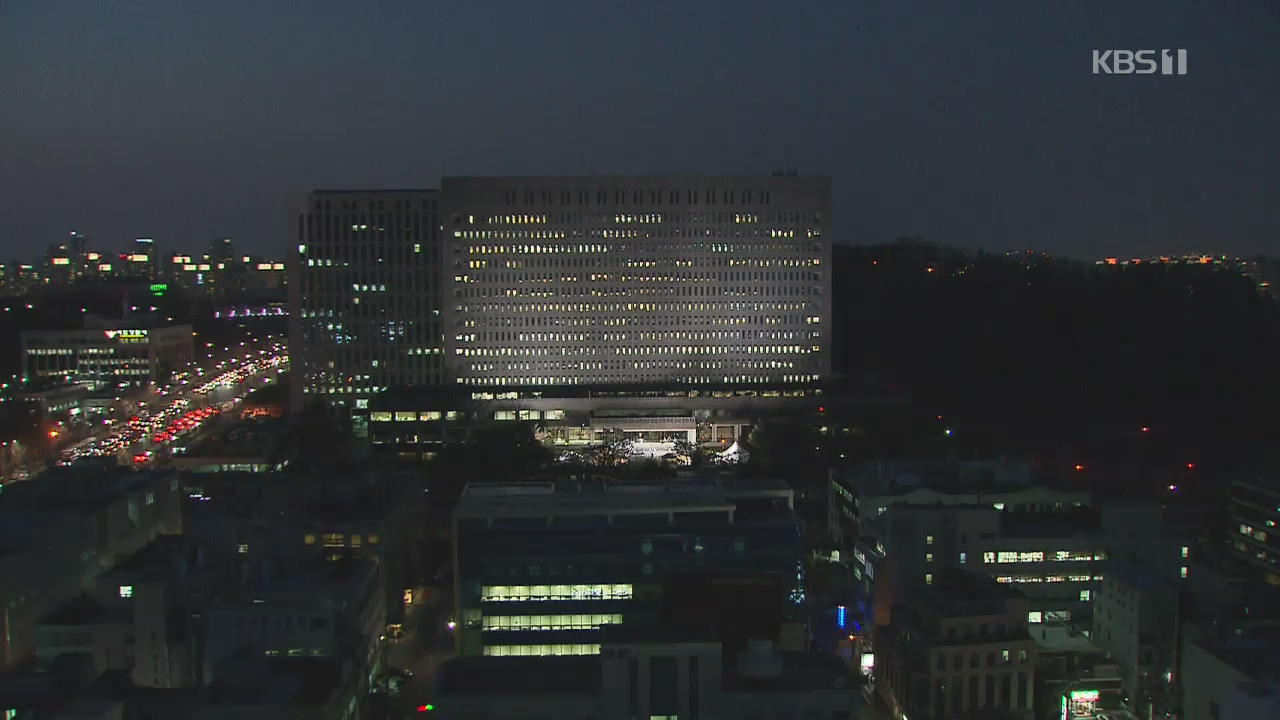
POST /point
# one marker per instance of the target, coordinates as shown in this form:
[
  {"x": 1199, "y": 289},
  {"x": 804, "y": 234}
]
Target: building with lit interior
[
  {"x": 107, "y": 354},
  {"x": 1255, "y": 514},
  {"x": 649, "y": 672},
  {"x": 666, "y": 307},
  {"x": 898, "y": 524},
  {"x": 541, "y": 568},
  {"x": 605, "y": 280},
  {"x": 364, "y": 295}
]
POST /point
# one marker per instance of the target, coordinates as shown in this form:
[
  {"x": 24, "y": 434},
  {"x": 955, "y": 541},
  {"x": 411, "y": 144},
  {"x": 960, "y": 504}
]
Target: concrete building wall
[
  {"x": 597, "y": 280},
  {"x": 1215, "y": 690},
  {"x": 364, "y": 295}
]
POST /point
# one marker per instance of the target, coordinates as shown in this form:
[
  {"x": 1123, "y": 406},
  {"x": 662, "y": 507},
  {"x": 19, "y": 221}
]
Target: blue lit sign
[{"x": 840, "y": 616}]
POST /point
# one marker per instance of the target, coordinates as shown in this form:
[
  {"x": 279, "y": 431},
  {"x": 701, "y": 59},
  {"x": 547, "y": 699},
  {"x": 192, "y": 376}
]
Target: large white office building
[
  {"x": 610, "y": 280},
  {"x": 619, "y": 294}
]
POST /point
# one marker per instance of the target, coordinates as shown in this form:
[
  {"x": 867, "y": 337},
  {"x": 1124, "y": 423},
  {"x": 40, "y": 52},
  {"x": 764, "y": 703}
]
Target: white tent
[{"x": 734, "y": 453}]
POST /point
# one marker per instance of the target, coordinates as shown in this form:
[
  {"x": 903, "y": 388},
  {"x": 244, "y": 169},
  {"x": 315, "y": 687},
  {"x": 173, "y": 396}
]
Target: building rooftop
[
  {"x": 646, "y": 634},
  {"x": 1061, "y": 639},
  {"x": 1057, "y": 523},
  {"x": 250, "y": 679},
  {"x": 894, "y": 478},
  {"x": 371, "y": 191},
  {"x": 571, "y": 674},
  {"x": 157, "y": 561},
  {"x": 1253, "y": 649},
  {"x": 588, "y": 496},
  {"x": 957, "y": 593},
  {"x": 70, "y": 487},
  {"x": 84, "y": 611},
  {"x": 248, "y": 439},
  {"x": 310, "y": 581},
  {"x": 798, "y": 672}
]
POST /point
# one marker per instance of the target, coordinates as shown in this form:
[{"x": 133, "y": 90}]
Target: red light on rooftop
[
  {"x": 1146, "y": 429},
  {"x": 1191, "y": 466},
  {"x": 1079, "y": 467}
]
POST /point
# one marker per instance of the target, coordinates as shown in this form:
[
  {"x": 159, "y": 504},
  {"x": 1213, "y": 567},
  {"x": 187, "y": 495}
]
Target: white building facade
[{"x": 675, "y": 281}]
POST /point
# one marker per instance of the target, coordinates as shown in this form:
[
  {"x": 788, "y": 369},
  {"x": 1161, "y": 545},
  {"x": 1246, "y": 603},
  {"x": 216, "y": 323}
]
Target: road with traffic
[{"x": 170, "y": 415}]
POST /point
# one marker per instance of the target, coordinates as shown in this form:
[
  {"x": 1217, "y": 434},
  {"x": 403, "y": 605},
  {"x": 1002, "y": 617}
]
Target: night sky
[{"x": 977, "y": 124}]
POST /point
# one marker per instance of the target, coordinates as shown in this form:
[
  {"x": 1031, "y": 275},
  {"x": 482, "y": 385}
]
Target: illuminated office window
[
  {"x": 524, "y": 593},
  {"x": 498, "y": 623},
  {"x": 538, "y": 650}
]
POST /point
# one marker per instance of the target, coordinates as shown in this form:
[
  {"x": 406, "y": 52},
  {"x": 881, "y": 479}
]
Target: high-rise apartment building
[
  {"x": 364, "y": 294},
  {"x": 674, "y": 281}
]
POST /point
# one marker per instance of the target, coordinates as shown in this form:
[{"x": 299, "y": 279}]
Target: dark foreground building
[{"x": 541, "y": 568}]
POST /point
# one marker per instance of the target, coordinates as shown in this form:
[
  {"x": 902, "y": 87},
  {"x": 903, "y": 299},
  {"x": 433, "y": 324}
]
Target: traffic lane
[{"x": 427, "y": 643}]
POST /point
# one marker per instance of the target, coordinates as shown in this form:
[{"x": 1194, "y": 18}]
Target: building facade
[
  {"x": 650, "y": 675},
  {"x": 1255, "y": 514},
  {"x": 1135, "y": 619},
  {"x": 43, "y": 531},
  {"x": 541, "y": 568},
  {"x": 364, "y": 295},
  {"x": 541, "y": 284},
  {"x": 682, "y": 281},
  {"x": 958, "y": 648},
  {"x": 107, "y": 355}
]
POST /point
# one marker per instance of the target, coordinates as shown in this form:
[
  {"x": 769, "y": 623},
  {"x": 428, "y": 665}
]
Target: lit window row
[
  {"x": 1252, "y": 532},
  {"x": 537, "y": 650},
  {"x": 338, "y": 539},
  {"x": 520, "y": 593},
  {"x": 688, "y": 248},
  {"x": 1040, "y": 556},
  {"x": 550, "y": 622},
  {"x": 613, "y": 308},
  {"x": 1047, "y": 578},
  {"x": 548, "y": 380}
]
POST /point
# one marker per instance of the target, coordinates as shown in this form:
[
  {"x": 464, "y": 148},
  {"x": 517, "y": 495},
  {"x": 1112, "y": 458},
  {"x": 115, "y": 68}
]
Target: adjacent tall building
[
  {"x": 533, "y": 288},
  {"x": 364, "y": 295}
]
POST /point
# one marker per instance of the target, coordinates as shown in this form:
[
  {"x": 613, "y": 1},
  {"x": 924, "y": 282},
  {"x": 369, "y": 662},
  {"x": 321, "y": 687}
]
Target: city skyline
[{"x": 979, "y": 130}]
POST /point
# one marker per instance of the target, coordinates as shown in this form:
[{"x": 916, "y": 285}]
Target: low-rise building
[
  {"x": 958, "y": 646},
  {"x": 540, "y": 568},
  {"x": 107, "y": 354},
  {"x": 132, "y": 621},
  {"x": 647, "y": 672},
  {"x": 1231, "y": 671},
  {"x": 60, "y": 532},
  {"x": 1135, "y": 619},
  {"x": 319, "y": 610},
  {"x": 1255, "y": 516}
]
